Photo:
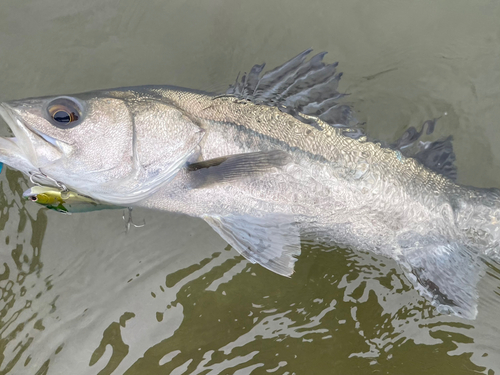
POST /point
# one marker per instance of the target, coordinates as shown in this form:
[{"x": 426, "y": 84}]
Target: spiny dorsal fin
[
  {"x": 232, "y": 167},
  {"x": 297, "y": 87}
]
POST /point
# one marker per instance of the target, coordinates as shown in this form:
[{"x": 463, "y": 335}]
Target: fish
[
  {"x": 67, "y": 202},
  {"x": 278, "y": 157}
]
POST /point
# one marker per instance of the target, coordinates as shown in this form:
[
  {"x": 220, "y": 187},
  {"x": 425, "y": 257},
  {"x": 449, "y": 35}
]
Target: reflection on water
[
  {"x": 254, "y": 319},
  {"x": 21, "y": 281},
  {"x": 112, "y": 337}
]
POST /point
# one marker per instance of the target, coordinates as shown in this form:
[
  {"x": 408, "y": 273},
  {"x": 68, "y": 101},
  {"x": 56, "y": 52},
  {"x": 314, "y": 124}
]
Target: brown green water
[{"x": 80, "y": 296}]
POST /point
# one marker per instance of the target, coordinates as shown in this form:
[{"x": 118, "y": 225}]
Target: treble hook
[
  {"x": 129, "y": 222},
  {"x": 32, "y": 176},
  {"x": 41, "y": 175}
]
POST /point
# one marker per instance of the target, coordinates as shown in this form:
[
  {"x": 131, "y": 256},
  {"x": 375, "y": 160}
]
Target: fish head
[{"x": 116, "y": 146}]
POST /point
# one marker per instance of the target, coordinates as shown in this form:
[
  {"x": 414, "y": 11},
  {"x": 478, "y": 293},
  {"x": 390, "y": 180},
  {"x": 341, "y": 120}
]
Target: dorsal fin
[
  {"x": 437, "y": 155},
  {"x": 309, "y": 87},
  {"x": 300, "y": 86}
]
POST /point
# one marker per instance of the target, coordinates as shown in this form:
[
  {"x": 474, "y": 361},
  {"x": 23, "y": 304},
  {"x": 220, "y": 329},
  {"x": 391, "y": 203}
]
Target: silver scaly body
[{"x": 262, "y": 174}]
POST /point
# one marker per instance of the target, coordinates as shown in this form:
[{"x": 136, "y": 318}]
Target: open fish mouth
[{"x": 19, "y": 151}]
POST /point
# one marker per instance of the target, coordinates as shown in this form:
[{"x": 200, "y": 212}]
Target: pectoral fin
[
  {"x": 233, "y": 167},
  {"x": 273, "y": 241},
  {"x": 444, "y": 272}
]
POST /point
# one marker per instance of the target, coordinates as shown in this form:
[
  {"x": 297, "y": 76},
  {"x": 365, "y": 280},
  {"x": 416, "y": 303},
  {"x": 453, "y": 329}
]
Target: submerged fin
[
  {"x": 300, "y": 87},
  {"x": 444, "y": 272},
  {"x": 273, "y": 241},
  {"x": 232, "y": 167},
  {"x": 437, "y": 156},
  {"x": 411, "y": 135}
]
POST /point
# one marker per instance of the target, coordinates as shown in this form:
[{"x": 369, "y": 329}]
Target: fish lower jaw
[
  {"x": 19, "y": 146},
  {"x": 12, "y": 155}
]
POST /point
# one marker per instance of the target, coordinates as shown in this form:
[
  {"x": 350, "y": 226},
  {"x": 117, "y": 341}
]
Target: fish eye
[
  {"x": 33, "y": 198},
  {"x": 63, "y": 115},
  {"x": 64, "y": 112}
]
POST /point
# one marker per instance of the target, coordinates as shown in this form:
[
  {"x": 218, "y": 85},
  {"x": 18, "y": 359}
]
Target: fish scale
[{"x": 274, "y": 158}]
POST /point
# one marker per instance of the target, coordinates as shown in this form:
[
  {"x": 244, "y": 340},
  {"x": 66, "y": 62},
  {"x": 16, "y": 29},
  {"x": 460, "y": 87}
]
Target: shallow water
[{"x": 80, "y": 296}]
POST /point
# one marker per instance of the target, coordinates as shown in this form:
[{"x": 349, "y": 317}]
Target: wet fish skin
[
  {"x": 121, "y": 150},
  {"x": 134, "y": 146}
]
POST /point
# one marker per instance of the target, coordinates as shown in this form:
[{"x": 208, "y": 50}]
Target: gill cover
[{"x": 164, "y": 139}]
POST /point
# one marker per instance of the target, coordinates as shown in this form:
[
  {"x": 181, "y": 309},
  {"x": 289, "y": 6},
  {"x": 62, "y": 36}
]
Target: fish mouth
[
  {"x": 11, "y": 151},
  {"x": 19, "y": 152}
]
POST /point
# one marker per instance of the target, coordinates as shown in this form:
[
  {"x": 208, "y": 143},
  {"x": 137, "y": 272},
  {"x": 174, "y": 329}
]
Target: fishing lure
[{"x": 67, "y": 202}]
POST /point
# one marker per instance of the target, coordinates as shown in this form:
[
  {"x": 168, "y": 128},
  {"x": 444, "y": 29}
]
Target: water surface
[{"x": 80, "y": 296}]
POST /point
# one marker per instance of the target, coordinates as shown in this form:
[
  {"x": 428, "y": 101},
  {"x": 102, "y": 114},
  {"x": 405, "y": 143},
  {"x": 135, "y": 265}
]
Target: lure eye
[
  {"x": 64, "y": 112},
  {"x": 33, "y": 198}
]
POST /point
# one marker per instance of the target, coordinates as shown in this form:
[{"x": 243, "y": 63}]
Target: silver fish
[{"x": 275, "y": 157}]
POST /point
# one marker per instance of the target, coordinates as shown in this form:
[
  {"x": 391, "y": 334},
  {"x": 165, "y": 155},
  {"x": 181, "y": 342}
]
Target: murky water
[{"x": 79, "y": 296}]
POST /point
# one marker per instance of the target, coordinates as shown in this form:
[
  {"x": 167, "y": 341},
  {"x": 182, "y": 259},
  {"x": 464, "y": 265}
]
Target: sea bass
[{"x": 275, "y": 158}]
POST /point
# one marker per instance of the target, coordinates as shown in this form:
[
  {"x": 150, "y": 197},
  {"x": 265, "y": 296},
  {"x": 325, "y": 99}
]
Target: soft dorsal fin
[
  {"x": 411, "y": 135},
  {"x": 273, "y": 241},
  {"x": 300, "y": 86},
  {"x": 437, "y": 155},
  {"x": 232, "y": 167}
]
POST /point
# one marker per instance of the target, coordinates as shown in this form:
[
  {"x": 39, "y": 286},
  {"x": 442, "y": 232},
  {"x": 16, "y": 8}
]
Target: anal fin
[
  {"x": 444, "y": 272},
  {"x": 273, "y": 241}
]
